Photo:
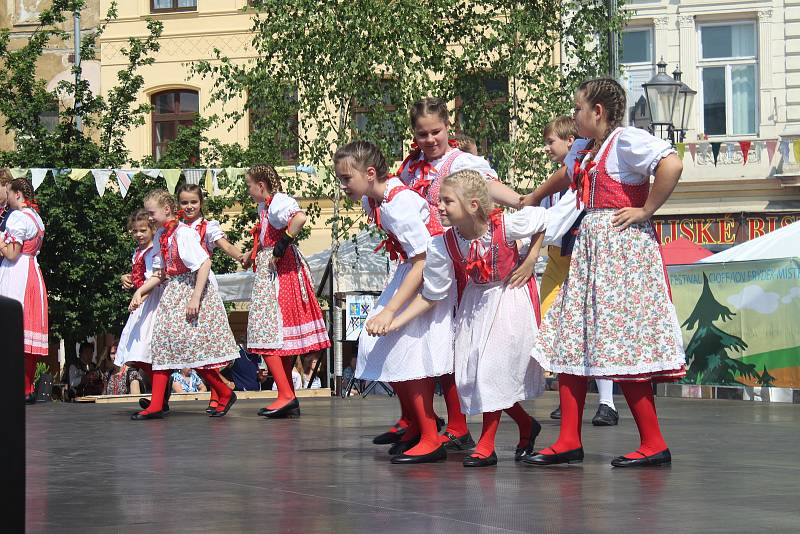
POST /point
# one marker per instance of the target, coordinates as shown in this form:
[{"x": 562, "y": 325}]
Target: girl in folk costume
[
  {"x": 191, "y": 327},
  {"x": 20, "y": 275},
  {"x": 496, "y": 321},
  {"x": 408, "y": 358},
  {"x": 433, "y": 157},
  {"x": 190, "y": 201},
  {"x": 285, "y": 320},
  {"x": 134, "y": 342},
  {"x": 613, "y": 317}
]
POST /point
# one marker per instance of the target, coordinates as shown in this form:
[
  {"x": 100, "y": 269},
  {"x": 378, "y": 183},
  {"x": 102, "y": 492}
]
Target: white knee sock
[{"x": 606, "y": 390}]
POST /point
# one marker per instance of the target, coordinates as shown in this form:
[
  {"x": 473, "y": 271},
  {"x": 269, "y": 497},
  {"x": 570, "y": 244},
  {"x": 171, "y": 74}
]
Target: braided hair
[
  {"x": 22, "y": 185},
  {"x": 610, "y": 95},
  {"x": 429, "y": 106},
  {"x": 163, "y": 199},
  {"x": 363, "y": 154},
  {"x": 470, "y": 184},
  {"x": 266, "y": 174}
]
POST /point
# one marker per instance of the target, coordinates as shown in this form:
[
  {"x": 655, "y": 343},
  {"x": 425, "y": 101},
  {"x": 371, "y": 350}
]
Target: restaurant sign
[{"x": 721, "y": 229}]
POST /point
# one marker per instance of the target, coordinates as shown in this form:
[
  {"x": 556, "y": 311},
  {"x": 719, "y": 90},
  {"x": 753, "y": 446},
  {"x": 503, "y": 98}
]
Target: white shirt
[
  {"x": 192, "y": 253},
  {"x": 20, "y": 227},
  {"x": 404, "y": 217},
  {"x": 281, "y": 209},
  {"x": 213, "y": 232}
]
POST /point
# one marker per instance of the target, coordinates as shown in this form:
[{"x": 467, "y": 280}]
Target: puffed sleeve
[
  {"x": 475, "y": 163},
  {"x": 193, "y": 255},
  {"x": 213, "y": 232},
  {"x": 560, "y": 218},
  {"x": 403, "y": 217},
  {"x": 525, "y": 222},
  {"x": 19, "y": 228},
  {"x": 365, "y": 206},
  {"x": 438, "y": 274},
  {"x": 158, "y": 261},
  {"x": 578, "y": 146},
  {"x": 639, "y": 152},
  {"x": 281, "y": 210}
]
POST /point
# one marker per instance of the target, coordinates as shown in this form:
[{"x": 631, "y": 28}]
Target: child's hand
[
  {"x": 193, "y": 309},
  {"x": 625, "y": 217},
  {"x": 127, "y": 281},
  {"x": 520, "y": 276},
  {"x": 379, "y": 325},
  {"x": 136, "y": 301},
  {"x": 528, "y": 200},
  {"x": 247, "y": 262}
]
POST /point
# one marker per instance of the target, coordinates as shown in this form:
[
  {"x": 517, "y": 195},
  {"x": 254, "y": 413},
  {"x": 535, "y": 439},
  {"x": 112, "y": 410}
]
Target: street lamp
[
  {"x": 661, "y": 93},
  {"x": 683, "y": 107}
]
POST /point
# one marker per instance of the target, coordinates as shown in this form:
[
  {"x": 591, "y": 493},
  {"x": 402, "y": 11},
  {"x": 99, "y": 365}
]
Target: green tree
[
  {"x": 352, "y": 69},
  {"x": 707, "y": 352}
]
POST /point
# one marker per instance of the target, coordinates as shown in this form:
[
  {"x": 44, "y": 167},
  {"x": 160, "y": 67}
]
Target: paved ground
[{"x": 91, "y": 470}]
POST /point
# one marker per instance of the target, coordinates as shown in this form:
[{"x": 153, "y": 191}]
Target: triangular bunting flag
[
  {"x": 17, "y": 172},
  {"x": 124, "y": 179},
  {"x": 796, "y": 147},
  {"x": 101, "y": 179},
  {"x": 785, "y": 150},
  {"x": 78, "y": 174},
  {"x": 715, "y": 151},
  {"x": 193, "y": 175},
  {"x": 152, "y": 173},
  {"x": 771, "y": 146},
  {"x": 208, "y": 183},
  {"x": 681, "y": 150},
  {"x": 745, "y": 146},
  {"x": 693, "y": 151},
  {"x": 233, "y": 173},
  {"x": 37, "y": 177},
  {"x": 171, "y": 176}
]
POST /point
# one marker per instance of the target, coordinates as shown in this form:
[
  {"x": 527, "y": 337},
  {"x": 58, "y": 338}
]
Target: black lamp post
[
  {"x": 683, "y": 107},
  {"x": 661, "y": 93}
]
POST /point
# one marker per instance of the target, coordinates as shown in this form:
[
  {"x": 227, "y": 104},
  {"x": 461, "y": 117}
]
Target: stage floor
[{"x": 91, "y": 470}]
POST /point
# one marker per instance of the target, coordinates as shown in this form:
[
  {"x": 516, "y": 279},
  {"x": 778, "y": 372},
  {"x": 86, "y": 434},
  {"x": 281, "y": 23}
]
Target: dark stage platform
[{"x": 91, "y": 470}]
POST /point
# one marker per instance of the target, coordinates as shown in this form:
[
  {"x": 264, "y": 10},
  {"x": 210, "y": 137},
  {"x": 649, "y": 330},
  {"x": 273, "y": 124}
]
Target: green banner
[{"x": 740, "y": 321}]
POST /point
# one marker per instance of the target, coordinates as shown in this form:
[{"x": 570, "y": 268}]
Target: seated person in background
[
  {"x": 309, "y": 363},
  {"x": 122, "y": 380},
  {"x": 187, "y": 381},
  {"x": 84, "y": 377},
  {"x": 297, "y": 377},
  {"x": 242, "y": 373}
]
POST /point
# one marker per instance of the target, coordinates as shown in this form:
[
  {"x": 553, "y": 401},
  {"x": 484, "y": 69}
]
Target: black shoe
[
  {"x": 477, "y": 461},
  {"x": 556, "y": 414},
  {"x": 211, "y": 409},
  {"x": 145, "y": 404},
  {"x": 660, "y": 458},
  {"x": 537, "y": 458},
  {"x": 221, "y": 413},
  {"x": 30, "y": 399},
  {"x": 402, "y": 446},
  {"x": 605, "y": 416},
  {"x": 144, "y": 416},
  {"x": 290, "y": 409},
  {"x": 459, "y": 444},
  {"x": 387, "y": 438},
  {"x": 525, "y": 451},
  {"x": 436, "y": 456}
]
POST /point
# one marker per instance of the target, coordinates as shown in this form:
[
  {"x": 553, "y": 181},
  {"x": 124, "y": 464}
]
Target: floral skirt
[
  {"x": 613, "y": 317},
  {"x": 205, "y": 342},
  {"x": 264, "y": 321}
]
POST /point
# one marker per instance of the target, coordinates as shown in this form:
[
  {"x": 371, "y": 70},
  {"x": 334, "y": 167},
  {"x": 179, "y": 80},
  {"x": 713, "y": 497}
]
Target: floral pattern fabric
[{"x": 264, "y": 323}]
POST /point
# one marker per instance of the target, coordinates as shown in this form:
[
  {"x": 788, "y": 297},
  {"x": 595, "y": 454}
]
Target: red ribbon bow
[
  {"x": 169, "y": 228},
  {"x": 477, "y": 263},
  {"x": 256, "y": 233},
  {"x": 393, "y": 248},
  {"x": 581, "y": 180}
]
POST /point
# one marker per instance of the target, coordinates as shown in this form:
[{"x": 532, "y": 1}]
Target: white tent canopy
[
  {"x": 358, "y": 269},
  {"x": 781, "y": 243}
]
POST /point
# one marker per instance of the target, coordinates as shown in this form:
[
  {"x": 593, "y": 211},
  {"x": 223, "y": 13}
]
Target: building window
[
  {"x": 166, "y": 6},
  {"x": 172, "y": 110},
  {"x": 286, "y": 127},
  {"x": 728, "y": 79},
  {"x": 637, "y": 64},
  {"x": 375, "y": 116},
  {"x": 482, "y": 111}
]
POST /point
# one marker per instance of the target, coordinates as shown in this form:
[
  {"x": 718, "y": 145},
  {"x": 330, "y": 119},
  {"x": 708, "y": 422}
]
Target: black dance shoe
[
  {"x": 290, "y": 409},
  {"x": 211, "y": 409},
  {"x": 463, "y": 443},
  {"x": 30, "y": 399},
  {"x": 536, "y": 428},
  {"x": 660, "y": 458},
  {"x": 436, "y": 456},
  {"x": 387, "y": 438},
  {"x": 221, "y": 413},
  {"x": 144, "y": 416},
  {"x": 402, "y": 446},
  {"x": 556, "y": 414},
  {"x": 605, "y": 416},
  {"x": 145, "y": 404},
  {"x": 477, "y": 461},
  {"x": 570, "y": 457}
]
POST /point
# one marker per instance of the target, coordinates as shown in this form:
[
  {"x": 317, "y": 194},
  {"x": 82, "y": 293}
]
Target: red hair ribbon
[
  {"x": 256, "y": 233},
  {"x": 495, "y": 216},
  {"x": 453, "y": 143},
  {"x": 169, "y": 228},
  {"x": 477, "y": 263},
  {"x": 581, "y": 181},
  {"x": 180, "y": 214},
  {"x": 32, "y": 204}
]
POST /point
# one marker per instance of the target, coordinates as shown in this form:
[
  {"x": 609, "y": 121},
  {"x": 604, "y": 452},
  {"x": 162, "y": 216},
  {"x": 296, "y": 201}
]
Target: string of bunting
[{"x": 785, "y": 147}]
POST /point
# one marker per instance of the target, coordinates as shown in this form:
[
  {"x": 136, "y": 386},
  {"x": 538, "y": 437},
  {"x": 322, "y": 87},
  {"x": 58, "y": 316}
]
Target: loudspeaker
[{"x": 12, "y": 397}]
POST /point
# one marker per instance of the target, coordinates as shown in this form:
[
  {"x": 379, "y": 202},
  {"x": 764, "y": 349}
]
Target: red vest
[{"x": 427, "y": 187}]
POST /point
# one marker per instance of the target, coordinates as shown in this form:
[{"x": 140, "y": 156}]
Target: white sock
[{"x": 606, "y": 390}]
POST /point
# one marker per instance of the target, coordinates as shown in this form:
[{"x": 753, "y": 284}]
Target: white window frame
[{"x": 728, "y": 63}]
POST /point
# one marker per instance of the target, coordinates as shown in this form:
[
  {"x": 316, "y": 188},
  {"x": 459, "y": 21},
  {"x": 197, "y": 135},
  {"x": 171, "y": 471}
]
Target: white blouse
[
  {"x": 192, "y": 253},
  {"x": 462, "y": 162},
  {"x": 405, "y": 217},
  {"x": 281, "y": 209},
  {"x": 149, "y": 258},
  {"x": 20, "y": 227},
  {"x": 213, "y": 232},
  {"x": 439, "y": 273}
]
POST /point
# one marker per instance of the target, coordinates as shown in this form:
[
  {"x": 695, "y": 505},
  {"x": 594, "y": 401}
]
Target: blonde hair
[
  {"x": 163, "y": 199},
  {"x": 563, "y": 127},
  {"x": 140, "y": 215},
  {"x": 470, "y": 185},
  {"x": 5, "y": 177}
]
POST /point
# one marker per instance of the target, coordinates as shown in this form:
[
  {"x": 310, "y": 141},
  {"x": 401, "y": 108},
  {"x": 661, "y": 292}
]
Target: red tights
[
  {"x": 417, "y": 396},
  {"x": 280, "y": 367},
  {"x": 456, "y": 421},
  {"x": 491, "y": 420},
  {"x": 219, "y": 389},
  {"x": 572, "y": 393}
]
